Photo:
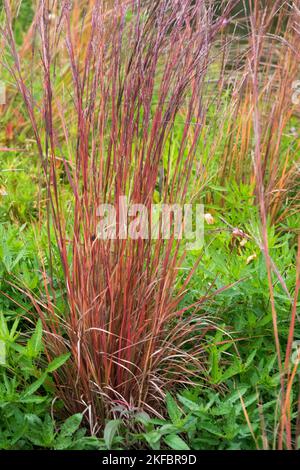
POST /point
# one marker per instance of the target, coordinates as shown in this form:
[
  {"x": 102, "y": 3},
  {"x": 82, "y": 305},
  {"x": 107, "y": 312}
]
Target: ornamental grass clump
[{"x": 110, "y": 130}]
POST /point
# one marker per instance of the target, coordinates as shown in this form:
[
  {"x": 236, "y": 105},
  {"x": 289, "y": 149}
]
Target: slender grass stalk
[{"x": 259, "y": 24}]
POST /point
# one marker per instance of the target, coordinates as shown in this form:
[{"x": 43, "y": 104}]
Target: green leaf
[
  {"x": 13, "y": 329},
  {"x": 48, "y": 431},
  {"x": 175, "y": 442},
  {"x": 110, "y": 431},
  {"x": 173, "y": 410},
  {"x": 233, "y": 370},
  {"x": 153, "y": 439},
  {"x": 143, "y": 418},
  {"x": 34, "y": 345},
  {"x": 168, "y": 429},
  {"x": 213, "y": 429},
  {"x": 33, "y": 399},
  {"x": 63, "y": 443},
  {"x": 58, "y": 362},
  {"x": 250, "y": 359},
  {"x": 34, "y": 386},
  {"x": 71, "y": 425},
  {"x": 192, "y": 406},
  {"x": 236, "y": 394}
]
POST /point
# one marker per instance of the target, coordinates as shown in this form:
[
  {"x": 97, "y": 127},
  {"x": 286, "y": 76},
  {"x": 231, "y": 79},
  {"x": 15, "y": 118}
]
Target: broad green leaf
[
  {"x": 173, "y": 410},
  {"x": 48, "y": 430},
  {"x": 168, "y": 429},
  {"x": 153, "y": 439},
  {"x": 63, "y": 443},
  {"x": 175, "y": 442},
  {"x": 212, "y": 428},
  {"x": 33, "y": 399},
  {"x": 71, "y": 425},
  {"x": 110, "y": 431},
  {"x": 142, "y": 417},
  {"x": 236, "y": 394},
  {"x": 192, "y": 406},
  {"x": 58, "y": 362},
  {"x": 34, "y": 345},
  {"x": 250, "y": 359},
  {"x": 233, "y": 370},
  {"x": 34, "y": 386}
]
